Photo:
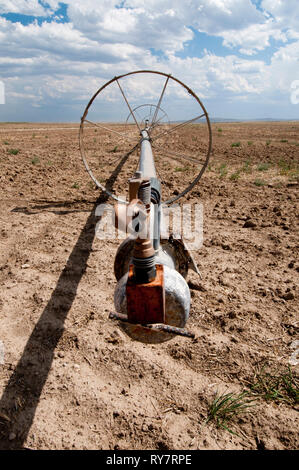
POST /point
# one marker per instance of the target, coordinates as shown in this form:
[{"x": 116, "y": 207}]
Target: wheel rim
[{"x": 156, "y": 138}]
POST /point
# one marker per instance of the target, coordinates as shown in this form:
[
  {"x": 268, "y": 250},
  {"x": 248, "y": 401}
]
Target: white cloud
[
  {"x": 211, "y": 16},
  {"x": 284, "y": 68},
  {"x": 61, "y": 41},
  {"x": 64, "y": 63},
  {"x": 255, "y": 37},
  {"x": 285, "y": 13},
  {"x": 168, "y": 24},
  {"x": 24, "y": 7},
  {"x": 152, "y": 25}
]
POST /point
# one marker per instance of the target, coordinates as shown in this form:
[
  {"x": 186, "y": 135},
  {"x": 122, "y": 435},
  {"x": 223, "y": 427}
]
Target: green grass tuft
[
  {"x": 114, "y": 149},
  {"x": 235, "y": 176},
  {"x": 279, "y": 386},
  {"x": 13, "y": 151},
  {"x": 179, "y": 168},
  {"x": 236, "y": 144},
  {"x": 287, "y": 167},
  {"x": 294, "y": 175},
  {"x": 222, "y": 170},
  {"x": 259, "y": 182},
  {"x": 263, "y": 166},
  {"x": 227, "y": 406},
  {"x": 247, "y": 167}
]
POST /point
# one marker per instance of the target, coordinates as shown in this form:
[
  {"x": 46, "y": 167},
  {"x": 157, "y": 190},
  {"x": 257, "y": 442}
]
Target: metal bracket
[{"x": 157, "y": 327}]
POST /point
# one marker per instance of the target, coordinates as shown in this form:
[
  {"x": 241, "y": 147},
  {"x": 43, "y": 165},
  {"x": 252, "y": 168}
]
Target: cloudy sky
[{"x": 240, "y": 56}]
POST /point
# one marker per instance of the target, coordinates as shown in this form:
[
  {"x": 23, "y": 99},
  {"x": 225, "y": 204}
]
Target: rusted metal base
[
  {"x": 146, "y": 302},
  {"x": 158, "y": 326}
]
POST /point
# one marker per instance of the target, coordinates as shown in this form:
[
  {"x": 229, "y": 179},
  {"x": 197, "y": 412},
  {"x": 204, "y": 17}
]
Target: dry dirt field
[{"x": 71, "y": 378}]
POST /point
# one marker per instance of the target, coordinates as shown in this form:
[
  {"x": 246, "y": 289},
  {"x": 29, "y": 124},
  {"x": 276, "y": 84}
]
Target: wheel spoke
[
  {"x": 157, "y": 122},
  {"x": 139, "y": 116},
  {"x": 151, "y": 109},
  {"x": 169, "y": 131},
  {"x": 131, "y": 111},
  {"x": 123, "y": 155},
  {"x": 159, "y": 102},
  {"x": 106, "y": 128},
  {"x": 175, "y": 155}
]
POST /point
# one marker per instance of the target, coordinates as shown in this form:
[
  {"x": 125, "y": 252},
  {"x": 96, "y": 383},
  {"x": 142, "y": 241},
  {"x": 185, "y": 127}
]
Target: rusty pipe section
[
  {"x": 136, "y": 218},
  {"x": 144, "y": 253}
]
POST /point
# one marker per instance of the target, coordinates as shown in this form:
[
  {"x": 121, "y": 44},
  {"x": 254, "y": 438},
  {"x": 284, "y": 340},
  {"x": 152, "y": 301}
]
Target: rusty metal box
[{"x": 146, "y": 302}]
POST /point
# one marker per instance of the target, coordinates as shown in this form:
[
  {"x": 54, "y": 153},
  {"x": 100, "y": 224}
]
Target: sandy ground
[{"x": 71, "y": 379}]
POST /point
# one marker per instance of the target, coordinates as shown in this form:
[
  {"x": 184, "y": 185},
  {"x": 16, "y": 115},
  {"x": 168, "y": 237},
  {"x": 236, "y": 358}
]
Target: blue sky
[{"x": 240, "y": 56}]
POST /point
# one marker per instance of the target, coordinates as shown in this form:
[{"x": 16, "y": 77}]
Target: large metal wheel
[{"x": 178, "y": 125}]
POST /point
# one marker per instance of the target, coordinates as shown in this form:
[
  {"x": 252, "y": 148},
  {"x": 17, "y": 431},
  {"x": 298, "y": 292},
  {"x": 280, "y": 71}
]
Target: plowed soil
[{"x": 71, "y": 378}]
